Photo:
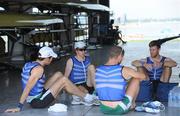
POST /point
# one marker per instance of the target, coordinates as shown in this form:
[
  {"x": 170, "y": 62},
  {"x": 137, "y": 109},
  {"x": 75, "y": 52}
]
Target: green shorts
[{"x": 122, "y": 108}]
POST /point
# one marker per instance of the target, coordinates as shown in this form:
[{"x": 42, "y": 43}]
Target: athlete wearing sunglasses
[
  {"x": 80, "y": 71},
  {"x": 82, "y": 49}
]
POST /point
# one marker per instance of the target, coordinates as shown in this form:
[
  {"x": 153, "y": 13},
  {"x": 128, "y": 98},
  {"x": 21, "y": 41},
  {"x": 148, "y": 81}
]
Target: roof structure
[
  {"x": 97, "y": 7},
  {"x": 21, "y": 20}
]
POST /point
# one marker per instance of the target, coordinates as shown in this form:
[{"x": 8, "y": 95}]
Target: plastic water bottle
[{"x": 174, "y": 97}]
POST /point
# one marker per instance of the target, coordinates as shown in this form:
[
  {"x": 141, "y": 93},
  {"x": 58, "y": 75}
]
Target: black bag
[
  {"x": 163, "y": 91},
  {"x": 145, "y": 92}
]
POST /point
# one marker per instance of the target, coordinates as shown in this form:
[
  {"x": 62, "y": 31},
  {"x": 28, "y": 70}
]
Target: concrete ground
[{"x": 10, "y": 86}]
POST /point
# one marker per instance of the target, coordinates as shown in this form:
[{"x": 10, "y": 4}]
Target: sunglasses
[{"x": 82, "y": 49}]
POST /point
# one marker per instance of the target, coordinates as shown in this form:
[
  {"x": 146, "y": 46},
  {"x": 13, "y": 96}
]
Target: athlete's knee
[
  {"x": 58, "y": 74},
  {"x": 64, "y": 80},
  {"x": 167, "y": 68}
]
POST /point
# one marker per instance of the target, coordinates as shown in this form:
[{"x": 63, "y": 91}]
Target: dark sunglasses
[{"x": 82, "y": 49}]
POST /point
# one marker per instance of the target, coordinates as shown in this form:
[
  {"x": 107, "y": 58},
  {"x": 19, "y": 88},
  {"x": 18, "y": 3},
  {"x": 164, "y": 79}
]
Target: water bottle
[{"x": 174, "y": 97}]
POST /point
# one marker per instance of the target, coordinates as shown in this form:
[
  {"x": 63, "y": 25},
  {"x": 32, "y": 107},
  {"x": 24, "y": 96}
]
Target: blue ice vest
[
  {"x": 26, "y": 72},
  {"x": 156, "y": 72},
  {"x": 78, "y": 73},
  {"x": 110, "y": 84}
]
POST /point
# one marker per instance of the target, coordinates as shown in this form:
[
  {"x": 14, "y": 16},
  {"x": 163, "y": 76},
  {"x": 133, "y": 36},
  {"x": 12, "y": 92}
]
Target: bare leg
[
  {"x": 64, "y": 83},
  {"x": 90, "y": 79},
  {"x": 83, "y": 89},
  {"x": 166, "y": 74},
  {"x": 91, "y": 76},
  {"x": 144, "y": 71},
  {"x": 133, "y": 89},
  {"x": 53, "y": 79}
]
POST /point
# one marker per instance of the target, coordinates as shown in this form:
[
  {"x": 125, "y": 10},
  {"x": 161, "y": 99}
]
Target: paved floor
[{"x": 10, "y": 88}]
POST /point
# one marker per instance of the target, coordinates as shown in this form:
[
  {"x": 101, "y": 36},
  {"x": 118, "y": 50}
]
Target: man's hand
[
  {"x": 13, "y": 110},
  {"x": 158, "y": 64},
  {"x": 148, "y": 66},
  {"x": 137, "y": 63}
]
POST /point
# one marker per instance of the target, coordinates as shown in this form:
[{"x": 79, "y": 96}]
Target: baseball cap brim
[
  {"x": 46, "y": 52},
  {"x": 54, "y": 55}
]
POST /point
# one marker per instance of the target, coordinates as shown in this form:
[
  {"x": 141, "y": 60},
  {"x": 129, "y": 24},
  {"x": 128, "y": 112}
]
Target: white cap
[
  {"x": 79, "y": 44},
  {"x": 46, "y": 52}
]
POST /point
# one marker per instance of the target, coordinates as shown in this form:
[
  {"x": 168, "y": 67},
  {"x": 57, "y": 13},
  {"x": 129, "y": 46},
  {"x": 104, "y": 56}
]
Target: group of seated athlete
[{"x": 114, "y": 94}]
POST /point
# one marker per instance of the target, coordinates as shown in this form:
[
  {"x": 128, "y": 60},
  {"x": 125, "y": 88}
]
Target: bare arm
[
  {"x": 36, "y": 73},
  {"x": 91, "y": 76},
  {"x": 138, "y": 63},
  {"x": 129, "y": 72},
  {"x": 169, "y": 63},
  {"x": 68, "y": 68}
]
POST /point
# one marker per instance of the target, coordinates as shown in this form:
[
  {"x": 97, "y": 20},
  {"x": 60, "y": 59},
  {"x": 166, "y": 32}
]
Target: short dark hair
[
  {"x": 155, "y": 43},
  {"x": 34, "y": 53},
  {"x": 116, "y": 51}
]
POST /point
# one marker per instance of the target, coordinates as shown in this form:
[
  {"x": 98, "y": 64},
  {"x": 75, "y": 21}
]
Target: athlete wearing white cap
[
  {"x": 80, "y": 71},
  {"x": 39, "y": 93}
]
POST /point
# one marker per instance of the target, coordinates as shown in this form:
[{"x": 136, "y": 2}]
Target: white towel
[{"x": 57, "y": 108}]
